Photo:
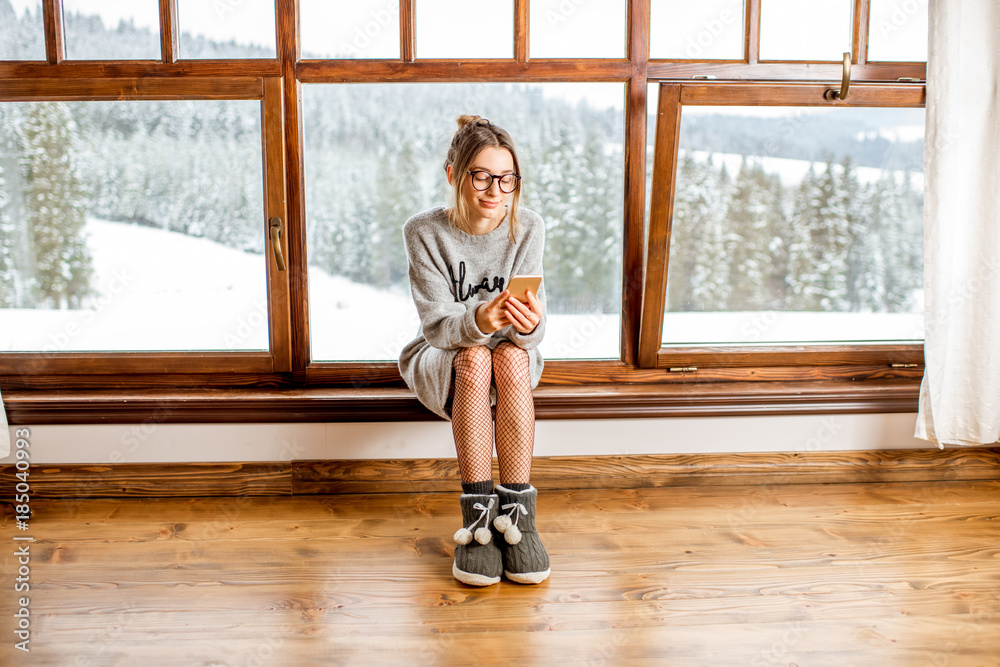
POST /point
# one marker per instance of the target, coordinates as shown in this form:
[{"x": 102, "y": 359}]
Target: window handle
[
  {"x": 845, "y": 83},
  {"x": 275, "y": 228}
]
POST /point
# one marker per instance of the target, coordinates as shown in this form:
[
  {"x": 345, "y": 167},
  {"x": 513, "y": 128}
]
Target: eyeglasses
[{"x": 483, "y": 180}]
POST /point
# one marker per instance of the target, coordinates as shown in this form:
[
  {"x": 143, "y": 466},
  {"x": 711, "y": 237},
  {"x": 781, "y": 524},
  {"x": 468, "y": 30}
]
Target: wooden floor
[{"x": 903, "y": 574}]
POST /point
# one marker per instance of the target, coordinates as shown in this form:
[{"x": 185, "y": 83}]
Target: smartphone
[{"x": 519, "y": 285}]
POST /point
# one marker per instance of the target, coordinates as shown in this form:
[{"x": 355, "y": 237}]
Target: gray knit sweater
[{"x": 451, "y": 273}]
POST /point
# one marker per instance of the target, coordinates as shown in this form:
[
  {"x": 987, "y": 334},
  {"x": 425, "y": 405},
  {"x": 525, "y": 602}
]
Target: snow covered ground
[{"x": 159, "y": 290}]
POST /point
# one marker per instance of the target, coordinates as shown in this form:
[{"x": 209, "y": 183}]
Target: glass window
[
  {"x": 897, "y": 30},
  {"x": 791, "y": 30},
  {"x": 132, "y": 226},
  {"x": 707, "y": 30},
  {"x": 228, "y": 29},
  {"x": 359, "y": 29},
  {"x": 22, "y": 32},
  {"x": 447, "y": 29},
  {"x": 369, "y": 167},
  {"x": 100, "y": 30},
  {"x": 797, "y": 225},
  {"x": 561, "y": 29}
]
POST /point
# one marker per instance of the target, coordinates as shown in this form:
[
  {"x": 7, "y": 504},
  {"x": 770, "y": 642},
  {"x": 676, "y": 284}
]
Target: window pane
[
  {"x": 898, "y": 30},
  {"x": 22, "y": 34},
  {"x": 99, "y": 30},
  {"x": 370, "y": 165},
  {"x": 131, "y": 226},
  {"x": 358, "y": 29},
  {"x": 706, "y": 30},
  {"x": 797, "y": 225},
  {"x": 790, "y": 31},
  {"x": 227, "y": 29},
  {"x": 447, "y": 29},
  {"x": 561, "y": 29}
]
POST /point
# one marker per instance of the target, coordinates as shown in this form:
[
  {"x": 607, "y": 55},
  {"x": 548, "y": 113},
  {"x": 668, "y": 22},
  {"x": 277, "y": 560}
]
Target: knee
[
  {"x": 473, "y": 362},
  {"x": 510, "y": 362}
]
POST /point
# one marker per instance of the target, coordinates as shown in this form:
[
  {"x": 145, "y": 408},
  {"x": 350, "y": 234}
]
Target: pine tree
[
  {"x": 689, "y": 230},
  {"x": 833, "y": 241},
  {"x": 598, "y": 249},
  {"x": 753, "y": 215},
  {"x": 55, "y": 204},
  {"x": 399, "y": 197},
  {"x": 801, "y": 277},
  {"x": 556, "y": 188},
  {"x": 710, "y": 286}
]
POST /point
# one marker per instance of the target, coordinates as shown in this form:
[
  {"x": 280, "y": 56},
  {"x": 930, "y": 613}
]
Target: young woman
[{"x": 477, "y": 348}]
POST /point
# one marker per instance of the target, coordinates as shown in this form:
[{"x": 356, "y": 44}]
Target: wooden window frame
[
  {"x": 200, "y": 386},
  {"x": 777, "y": 361}
]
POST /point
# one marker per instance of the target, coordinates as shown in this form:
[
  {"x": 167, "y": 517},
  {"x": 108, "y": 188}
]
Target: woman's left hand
[{"x": 524, "y": 316}]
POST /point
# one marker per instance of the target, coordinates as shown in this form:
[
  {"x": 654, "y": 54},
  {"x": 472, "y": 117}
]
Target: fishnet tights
[{"x": 475, "y": 370}]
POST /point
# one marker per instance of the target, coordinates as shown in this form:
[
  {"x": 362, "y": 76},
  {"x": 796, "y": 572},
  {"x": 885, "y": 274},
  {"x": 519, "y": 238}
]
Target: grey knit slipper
[
  {"x": 525, "y": 560},
  {"x": 478, "y": 561}
]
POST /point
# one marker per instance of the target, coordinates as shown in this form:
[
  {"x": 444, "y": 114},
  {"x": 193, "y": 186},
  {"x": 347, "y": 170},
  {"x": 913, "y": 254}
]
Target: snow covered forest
[{"x": 844, "y": 235}]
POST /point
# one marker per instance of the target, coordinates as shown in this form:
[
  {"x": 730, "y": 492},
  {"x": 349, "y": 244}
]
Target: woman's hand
[
  {"x": 524, "y": 316},
  {"x": 505, "y": 310}
]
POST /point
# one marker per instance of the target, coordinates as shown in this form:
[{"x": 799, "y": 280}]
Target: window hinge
[
  {"x": 703, "y": 76},
  {"x": 908, "y": 79},
  {"x": 683, "y": 369},
  {"x": 904, "y": 365}
]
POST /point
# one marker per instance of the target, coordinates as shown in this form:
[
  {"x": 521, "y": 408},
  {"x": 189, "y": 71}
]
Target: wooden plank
[
  {"x": 135, "y": 401},
  {"x": 55, "y": 34},
  {"x": 427, "y": 69},
  {"x": 752, "y": 32},
  {"x": 278, "y": 284},
  {"x": 116, "y": 363},
  {"x": 859, "y": 55},
  {"x": 407, "y": 30},
  {"x": 655, "y": 470},
  {"x": 790, "y": 355},
  {"x": 773, "y": 95},
  {"x": 634, "y": 206},
  {"x": 301, "y": 477},
  {"x": 845, "y": 574},
  {"x": 169, "y": 31},
  {"x": 290, "y": 50},
  {"x": 522, "y": 27},
  {"x": 133, "y": 69},
  {"x": 668, "y": 126},
  {"x": 785, "y": 71},
  {"x": 141, "y": 88}
]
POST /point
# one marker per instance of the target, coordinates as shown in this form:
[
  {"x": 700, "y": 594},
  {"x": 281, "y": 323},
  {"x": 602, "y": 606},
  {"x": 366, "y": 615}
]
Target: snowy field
[{"x": 159, "y": 290}]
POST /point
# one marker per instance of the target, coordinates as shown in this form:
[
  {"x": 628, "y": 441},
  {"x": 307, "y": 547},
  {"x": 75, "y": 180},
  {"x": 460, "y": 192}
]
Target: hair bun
[{"x": 465, "y": 119}]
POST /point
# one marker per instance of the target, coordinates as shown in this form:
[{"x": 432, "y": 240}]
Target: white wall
[{"x": 152, "y": 442}]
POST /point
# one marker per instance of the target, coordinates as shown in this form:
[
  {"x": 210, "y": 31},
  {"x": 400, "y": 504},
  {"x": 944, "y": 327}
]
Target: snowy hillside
[{"x": 160, "y": 290}]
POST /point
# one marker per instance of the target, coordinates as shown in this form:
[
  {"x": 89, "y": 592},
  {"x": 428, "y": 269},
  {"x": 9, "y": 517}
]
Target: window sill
[{"x": 596, "y": 401}]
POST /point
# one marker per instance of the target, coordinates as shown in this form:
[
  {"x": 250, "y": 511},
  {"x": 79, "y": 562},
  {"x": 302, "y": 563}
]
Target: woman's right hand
[{"x": 492, "y": 316}]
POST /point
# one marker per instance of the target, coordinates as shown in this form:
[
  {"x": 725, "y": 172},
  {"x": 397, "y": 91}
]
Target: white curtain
[{"x": 960, "y": 394}]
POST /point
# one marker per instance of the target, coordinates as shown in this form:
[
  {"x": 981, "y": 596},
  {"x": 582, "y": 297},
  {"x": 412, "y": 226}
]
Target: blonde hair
[{"x": 473, "y": 135}]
